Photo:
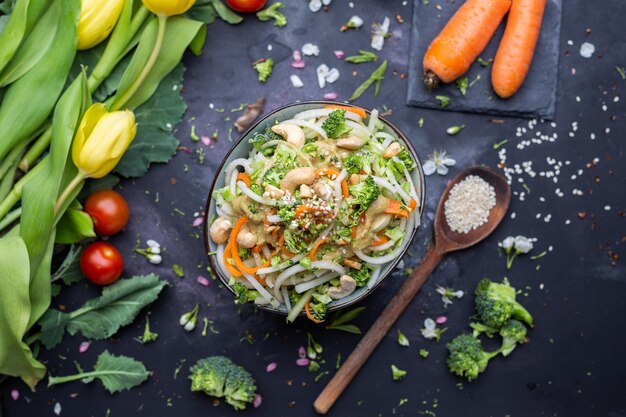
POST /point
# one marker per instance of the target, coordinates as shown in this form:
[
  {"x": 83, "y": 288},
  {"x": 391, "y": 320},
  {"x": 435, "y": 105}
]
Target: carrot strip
[
  {"x": 380, "y": 241},
  {"x": 353, "y": 234},
  {"x": 355, "y": 110},
  {"x": 314, "y": 248},
  {"x": 463, "y": 38},
  {"x": 242, "y": 176},
  {"x": 233, "y": 271},
  {"x": 327, "y": 172},
  {"x": 310, "y": 316},
  {"x": 234, "y": 248},
  {"x": 412, "y": 204},
  {"x": 397, "y": 208},
  {"x": 302, "y": 210},
  {"x": 517, "y": 47},
  {"x": 345, "y": 193},
  {"x": 257, "y": 249}
]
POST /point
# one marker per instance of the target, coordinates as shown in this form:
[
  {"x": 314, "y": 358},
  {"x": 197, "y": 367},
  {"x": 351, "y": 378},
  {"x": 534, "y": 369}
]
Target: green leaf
[
  {"x": 376, "y": 77},
  {"x": 156, "y": 119},
  {"x": 102, "y": 317},
  {"x": 74, "y": 226},
  {"x": 117, "y": 373},
  {"x": 69, "y": 271},
  {"x": 203, "y": 13},
  {"x": 225, "y": 13},
  {"x": 13, "y": 32},
  {"x": 197, "y": 44},
  {"x": 363, "y": 56},
  {"x": 108, "y": 182},
  {"x": 340, "y": 319},
  {"x": 16, "y": 358},
  {"x": 349, "y": 328}
]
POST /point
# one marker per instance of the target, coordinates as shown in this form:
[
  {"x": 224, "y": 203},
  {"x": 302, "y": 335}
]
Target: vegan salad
[{"x": 322, "y": 202}]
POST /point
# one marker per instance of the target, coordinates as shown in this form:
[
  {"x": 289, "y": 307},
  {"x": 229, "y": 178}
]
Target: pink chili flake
[
  {"x": 206, "y": 141},
  {"x": 198, "y": 221},
  {"x": 303, "y": 362},
  {"x": 339, "y": 54},
  {"x": 271, "y": 367},
  {"x": 330, "y": 96},
  {"x": 297, "y": 64},
  {"x": 83, "y": 347},
  {"x": 301, "y": 352},
  {"x": 202, "y": 280},
  {"x": 257, "y": 401},
  {"x": 297, "y": 55},
  {"x": 441, "y": 319},
  {"x": 15, "y": 394}
]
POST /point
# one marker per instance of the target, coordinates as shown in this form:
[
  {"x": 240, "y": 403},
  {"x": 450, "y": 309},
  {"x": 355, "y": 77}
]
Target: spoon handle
[{"x": 379, "y": 329}]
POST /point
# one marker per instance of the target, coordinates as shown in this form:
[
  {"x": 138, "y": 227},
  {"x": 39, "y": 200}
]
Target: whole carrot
[
  {"x": 516, "y": 50},
  {"x": 462, "y": 39}
]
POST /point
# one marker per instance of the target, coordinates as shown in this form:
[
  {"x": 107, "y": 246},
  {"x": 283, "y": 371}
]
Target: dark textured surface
[
  {"x": 572, "y": 366},
  {"x": 536, "y": 98}
]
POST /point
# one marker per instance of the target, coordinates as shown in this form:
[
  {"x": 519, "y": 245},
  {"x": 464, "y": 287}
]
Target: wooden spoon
[{"x": 445, "y": 241}]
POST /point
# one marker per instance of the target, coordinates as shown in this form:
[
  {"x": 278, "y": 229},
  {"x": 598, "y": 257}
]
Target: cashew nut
[
  {"x": 292, "y": 134},
  {"x": 219, "y": 230},
  {"x": 392, "y": 150},
  {"x": 246, "y": 238},
  {"x": 296, "y": 177},
  {"x": 347, "y": 285},
  {"x": 352, "y": 264},
  {"x": 305, "y": 191},
  {"x": 323, "y": 190},
  {"x": 273, "y": 192},
  {"x": 355, "y": 179},
  {"x": 351, "y": 142}
]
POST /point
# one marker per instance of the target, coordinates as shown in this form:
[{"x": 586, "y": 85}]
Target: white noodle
[
  {"x": 382, "y": 247},
  {"x": 264, "y": 293},
  {"x": 314, "y": 114},
  {"x": 286, "y": 298},
  {"x": 300, "y": 288},
  {"x": 273, "y": 218},
  {"x": 381, "y": 182},
  {"x": 405, "y": 197},
  {"x": 362, "y": 131},
  {"x": 282, "y": 266},
  {"x": 304, "y": 123},
  {"x": 254, "y": 196},
  {"x": 409, "y": 180},
  {"x": 373, "y": 121},
  {"x": 233, "y": 183}
]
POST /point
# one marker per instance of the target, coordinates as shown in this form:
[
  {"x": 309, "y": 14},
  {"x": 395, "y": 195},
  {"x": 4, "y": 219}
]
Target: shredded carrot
[
  {"x": 314, "y": 248},
  {"x": 344, "y": 189},
  {"x": 302, "y": 210},
  {"x": 310, "y": 316},
  {"x": 397, "y": 208},
  {"x": 355, "y": 110},
  {"x": 353, "y": 234},
  {"x": 327, "y": 172},
  {"x": 234, "y": 248},
  {"x": 380, "y": 241},
  {"x": 412, "y": 204},
  {"x": 257, "y": 249},
  {"x": 233, "y": 271},
  {"x": 242, "y": 176},
  {"x": 260, "y": 280}
]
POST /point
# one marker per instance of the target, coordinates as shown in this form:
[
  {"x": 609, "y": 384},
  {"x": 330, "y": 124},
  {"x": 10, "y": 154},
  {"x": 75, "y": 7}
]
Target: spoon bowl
[{"x": 447, "y": 240}]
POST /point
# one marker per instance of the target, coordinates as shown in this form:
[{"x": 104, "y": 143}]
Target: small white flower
[
  {"x": 355, "y": 22},
  {"x": 315, "y": 5},
  {"x": 154, "y": 250},
  {"x": 430, "y": 330},
  {"x": 438, "y": 162},
  {"x": 153, "y": 243},
  {"x": 154, "y": 259},
  {"x": 447, "y": 294},
  {"x": 507, "y": 244},
  {"x": 296, "y": 81},
  {"x": 379, "y": 33},
  {"x": 326, "y": 2},
  {"x": 332, "y": 75},
  {"x": 57, "y": 409},
  {"x": 523, "y": 244},
  {"x": 322, "y": 72},
  {"x": 189, "y": 326},
  {"x": 310, "y": 49}
]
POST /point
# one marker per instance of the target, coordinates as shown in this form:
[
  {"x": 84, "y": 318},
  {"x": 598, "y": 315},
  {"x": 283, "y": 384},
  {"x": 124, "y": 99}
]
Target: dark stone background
[{"x": 573, "y": 365}]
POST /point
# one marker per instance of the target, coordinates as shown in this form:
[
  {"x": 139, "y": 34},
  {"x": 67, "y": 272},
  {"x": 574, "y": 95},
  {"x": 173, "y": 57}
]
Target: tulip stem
[
  {"x": 36, "y": 150},
  {"x": 121, "y": 102},
  {"x": 16, "y": 193},
  {"x": 10, "y": 218},
  {"x": 76, "y": 181}
]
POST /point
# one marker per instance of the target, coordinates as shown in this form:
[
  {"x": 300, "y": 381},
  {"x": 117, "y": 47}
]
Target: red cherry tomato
[
  {"x": 109, "y": 211},
  {"x": 101, "y": 263},
  {"x": 246, "y": 6}
]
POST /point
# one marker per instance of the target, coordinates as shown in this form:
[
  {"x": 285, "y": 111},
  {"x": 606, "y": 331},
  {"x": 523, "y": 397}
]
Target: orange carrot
[
  {"x": 355, "y": 110},
  {"x": 310, "y": 316},
  {"x": 328, "y": 172},
  {"x": 353, "y": 232},
  {"x": 412, "y": 204},
  {"x": 380, "y": 241},
  {"x": 517, "y": 47},
  {"x": 396, "y": 208},
  {"x": 314, "y": 248},
  {"x": 242, "y": 176},
  {"x": 302, "y": 210},
  {"x": 463, "y": 38},
  {"x": 233, "y": 271},
  {"x": 345, "y": 193},
  {"x": 234, "y": 248},
  {"x": 257, "y": 249}
]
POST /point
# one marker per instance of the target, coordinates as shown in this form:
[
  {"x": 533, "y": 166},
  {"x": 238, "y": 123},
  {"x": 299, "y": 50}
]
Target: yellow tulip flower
[
  {"x": 101, "y": 140},
  {"x": 97, "y": 20},
  {"x": 168, "y": 7}
]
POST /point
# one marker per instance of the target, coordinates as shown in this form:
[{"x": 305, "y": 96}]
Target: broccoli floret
[
  {"x": 397, "y": 373},
  {"x": 273, "y": 176},
  {"x": 361, "y": 276},
  {"x": 318, "y": 310},
  {"x": 244, "y": 294},
  {"x": 363, "y": 194},
  {"x": 264, "y": 67},
  {"x": 467, "y": 357},
  {"x": 273, "y": 13},
  {"x": 259, "y": 139},
  {"x": 353, "y": 164},
  {"x": 480, "y": 328},
  {"x": 310, "y": 148},
  {"x": 220, "y": 377},
  {"x": 513, "y": 333},
  {"x": 495, "y": 304},
  {"x": 294, "y": 243},
  {"x": 335, "y": 126},
  {"x": 405, "y": 157},
  {"x": 287, "y": 213}
]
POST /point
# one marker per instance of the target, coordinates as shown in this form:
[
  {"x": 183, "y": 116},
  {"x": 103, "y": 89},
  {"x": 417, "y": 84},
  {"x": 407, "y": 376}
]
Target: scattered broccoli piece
[
  {"x": 273, "y": 176},
  {"x": 273, "y": 13},
  {"x": 318, "y": 310},
  {"x": 256, "y": 188},
  {"x": 361, "y": 276},
  {"x": 218, "y": 376},
  {"x": 353, "y": 164},
  {"x": 424, "y": 353},
  {"x": 397, "y": 373},
  {"x": 244, "y": 294},
  {"x": 287, "y": 213},
  {"x": 512, "y": 333},
  {"x": 335, "y": 126},
  {"x": 467, "y": 357},
  {"x": 405, "y": 157},
  {"x": 258, "y": 139},
  {"x": 148, "y": 336},
  {"x": 310, "y": 148},
  {"x": 264, "y": 67},
  {"x": 496, "y": 304},
  {"x": 363, "y": 194},
  {"x": 480, "y": 328},
  {"x": 293, "y": 242}
]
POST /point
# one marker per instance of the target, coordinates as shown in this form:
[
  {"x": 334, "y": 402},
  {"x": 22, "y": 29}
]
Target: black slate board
[{"x": 536, "y": 98}]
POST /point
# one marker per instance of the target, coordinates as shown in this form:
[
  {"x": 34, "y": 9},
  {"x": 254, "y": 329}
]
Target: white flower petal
[
  {"x": 322, "y": 72},
  {"x": 378, "y": 41},
  {"x": 430, "y": 324},
  {"x": 448, "y": 161},
  {"x": 296, "y": 81},
  {"x": 315, "y": 5},
  {"x": 442, "y": 170},
  {"x": 310, "y": 49},
  {"x": 507, "y": 243},
  {"x": 326, "y": 2},
  {"x": 458, "y": 294},
  {"x": 332, "y": 75},
  {"x": 355, "y": 22},
  {"x": 429, "y": 167}
]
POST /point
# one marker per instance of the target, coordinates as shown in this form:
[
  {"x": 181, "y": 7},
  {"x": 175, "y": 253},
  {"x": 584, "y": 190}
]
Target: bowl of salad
[{"x": 312, "y": 208}]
